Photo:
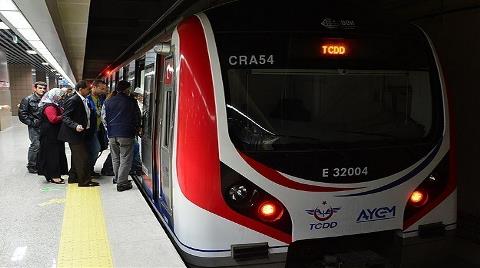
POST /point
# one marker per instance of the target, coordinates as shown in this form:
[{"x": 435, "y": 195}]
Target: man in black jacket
[
  {"x": 75, "y": 124},
  {"x": 29, "y": 114}
]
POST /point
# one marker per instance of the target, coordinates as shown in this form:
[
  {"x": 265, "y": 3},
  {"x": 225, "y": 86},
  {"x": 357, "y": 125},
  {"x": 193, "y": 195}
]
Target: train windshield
[
  {"x": 285, "y": 109},
  {"x": 300, "y": 102}
]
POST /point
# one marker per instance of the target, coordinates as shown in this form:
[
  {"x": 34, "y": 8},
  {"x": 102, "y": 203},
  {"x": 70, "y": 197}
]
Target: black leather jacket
[{"x": 28, "y": 112}]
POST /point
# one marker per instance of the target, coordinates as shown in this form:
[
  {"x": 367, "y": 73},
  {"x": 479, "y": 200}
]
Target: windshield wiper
[{"x": 367, "y": 133}]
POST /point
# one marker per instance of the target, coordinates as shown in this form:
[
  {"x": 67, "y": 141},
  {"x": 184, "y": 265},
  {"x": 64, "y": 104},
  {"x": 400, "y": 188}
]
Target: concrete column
[
  {"x": 5, "y": 96},
  {"x": 52, "y": 82},
  {"x": 20, "y": 84},
  {"x": 40, "y": 76}
]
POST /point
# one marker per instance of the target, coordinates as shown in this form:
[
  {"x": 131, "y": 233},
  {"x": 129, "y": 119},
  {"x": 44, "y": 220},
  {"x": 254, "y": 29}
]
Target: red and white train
[{"x": 272, "y": 135}]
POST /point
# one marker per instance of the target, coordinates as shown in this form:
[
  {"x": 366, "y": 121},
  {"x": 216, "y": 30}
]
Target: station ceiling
[
  {"x": 16, "y": 48},
  {"x": 115, "y": 27},
  {"x": 71, "y": 21},
  {"x": 98, "y": 33}
]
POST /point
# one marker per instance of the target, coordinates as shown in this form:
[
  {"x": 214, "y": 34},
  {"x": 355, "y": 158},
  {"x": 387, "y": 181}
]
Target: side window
[
  {"x": 167, "y": 89},
  {"x": 131, "y": 74},
  {"x": 148, "y": 101},
  {"x": 168, "y": 116}
]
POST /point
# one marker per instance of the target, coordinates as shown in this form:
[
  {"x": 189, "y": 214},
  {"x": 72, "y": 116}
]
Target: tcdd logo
[
  {"x": 322, "y": 215},
  {"x": 376, "y": 214}
]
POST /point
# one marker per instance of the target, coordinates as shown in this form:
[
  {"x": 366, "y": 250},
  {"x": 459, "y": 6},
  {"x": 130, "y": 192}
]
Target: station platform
[{"x": 53, "y": 225}]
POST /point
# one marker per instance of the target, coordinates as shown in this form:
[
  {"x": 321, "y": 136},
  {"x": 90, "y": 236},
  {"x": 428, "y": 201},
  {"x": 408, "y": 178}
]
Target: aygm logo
[
  {"x": 323, "y": 214},
  {"x": 376, "y": 214}
]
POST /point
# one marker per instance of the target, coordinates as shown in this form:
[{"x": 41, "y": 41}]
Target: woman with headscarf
[{"x": 52, "y": 161}]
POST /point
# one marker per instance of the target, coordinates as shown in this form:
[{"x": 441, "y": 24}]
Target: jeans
[
  {"x": 93, "y": 146},
  {"x": 122, "y": 158},
  {"x": 34, "y": 135},
  {"x": 137, "y": 162}
]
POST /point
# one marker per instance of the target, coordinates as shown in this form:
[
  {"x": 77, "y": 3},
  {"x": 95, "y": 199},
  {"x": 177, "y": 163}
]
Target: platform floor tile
[{"x": 84, "y": 240}]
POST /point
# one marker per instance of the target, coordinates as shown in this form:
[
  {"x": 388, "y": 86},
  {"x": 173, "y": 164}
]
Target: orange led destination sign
[{"x": 334, "y": 50}]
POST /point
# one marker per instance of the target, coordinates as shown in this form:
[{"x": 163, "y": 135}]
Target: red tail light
[
  {"x": 428, "y": 194},
  {"x": 270, "y": 211},
  {"x": 418, "y": 198}
]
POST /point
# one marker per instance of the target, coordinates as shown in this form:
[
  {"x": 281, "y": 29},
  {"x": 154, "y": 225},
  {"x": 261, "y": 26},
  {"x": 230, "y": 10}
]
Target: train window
[
  {"x": 117, "y": 78},
  {"x": 139, "y": 72},
  {"x": 131, "y": 74},
  {"x": 112, "y": 77},
  {"x": 125, "y": 72},
  {"x": 120, "y": 74},
  {"x": 148, "y": 86},
  {"x": 168, "y": 115},
  {"x": 329, "y": 106}
]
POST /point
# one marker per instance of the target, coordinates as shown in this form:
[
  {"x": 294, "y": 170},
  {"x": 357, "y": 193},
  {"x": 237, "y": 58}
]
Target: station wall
[
  {"x": 5, "y": 99},
  {"x": 456, "y": 36},
  {"x": 20, "y": 83}
]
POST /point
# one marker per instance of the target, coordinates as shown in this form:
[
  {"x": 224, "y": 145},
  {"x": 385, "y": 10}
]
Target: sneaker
[
  {"x": 124, "y": 187},
  {"x": 32, "y": 170}
]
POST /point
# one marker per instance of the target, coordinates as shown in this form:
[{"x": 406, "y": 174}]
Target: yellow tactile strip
[{"x": 84, "y": 241}]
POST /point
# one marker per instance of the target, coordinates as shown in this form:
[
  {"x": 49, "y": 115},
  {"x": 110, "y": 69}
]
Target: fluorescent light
[
  {"x": 16, "y": 19},
  {"x": 29, "y": 34},
  {"x": 39, "y": 46},
  {"x": 52, "y": 70},
  {"x": 7, "y": 5},
  {"x": 3, "y": 26},
  {"x": 31, "y": 52},
  {"x": 45, "y": 63}
]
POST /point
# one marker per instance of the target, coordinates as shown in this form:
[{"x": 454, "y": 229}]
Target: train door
[
  {"x": 166, "y": 148},
  {"x": 146, "y": 74},
  {"x": 157, "y": 125}
]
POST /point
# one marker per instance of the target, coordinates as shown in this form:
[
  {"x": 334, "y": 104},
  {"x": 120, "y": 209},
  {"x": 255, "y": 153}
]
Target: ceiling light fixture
[
  {"x": 7, "y": 5},
  {"x": 3, "y": 26},
  {"x": 16, "y": 19},
  {"x": 17, "y": 22},
  {"x": 31, "y": 52},
  {"x": 29, "y": 34}
]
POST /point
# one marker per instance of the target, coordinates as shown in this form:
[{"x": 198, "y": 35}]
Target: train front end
[{"x": 306, "y": 134}]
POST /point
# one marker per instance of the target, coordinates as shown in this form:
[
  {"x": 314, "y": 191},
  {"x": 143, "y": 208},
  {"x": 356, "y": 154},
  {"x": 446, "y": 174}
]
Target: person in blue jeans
[
  {"x": 107, "y": 169},
  {"x": 97, "y": 140},
  {"x": 122, "y": 116},
  {"x": 29, "y": 114}
]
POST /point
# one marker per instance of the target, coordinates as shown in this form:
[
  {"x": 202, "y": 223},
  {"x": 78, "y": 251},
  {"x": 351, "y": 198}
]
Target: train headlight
[
  {"x": 270, "y": 211},
  {"x": 238, "y": 193},
  {"x": 418, "y": 198},
  {"x": 428, "y": 194},
  {"x": 241, "y": 195},
  {"x": 253, "y": 202}
]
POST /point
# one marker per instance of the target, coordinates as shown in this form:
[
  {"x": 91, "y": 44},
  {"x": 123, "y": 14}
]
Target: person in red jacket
[{"x": 52, "y": 161}]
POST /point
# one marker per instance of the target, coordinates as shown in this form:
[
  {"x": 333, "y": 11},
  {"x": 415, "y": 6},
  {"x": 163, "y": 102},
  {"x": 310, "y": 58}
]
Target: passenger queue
[{"x": 62, "y": 115}]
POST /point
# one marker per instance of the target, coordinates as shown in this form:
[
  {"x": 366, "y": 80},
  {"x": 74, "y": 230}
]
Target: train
[{"x": 273, "y": 133}]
